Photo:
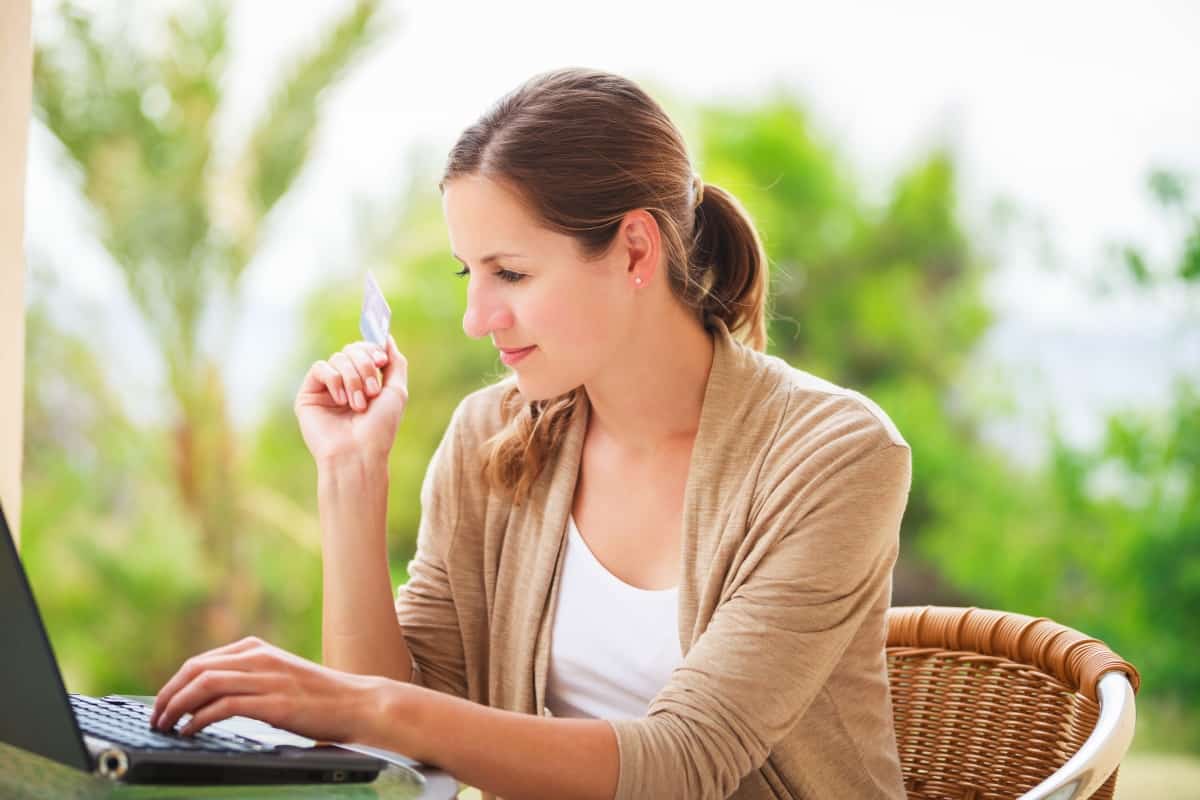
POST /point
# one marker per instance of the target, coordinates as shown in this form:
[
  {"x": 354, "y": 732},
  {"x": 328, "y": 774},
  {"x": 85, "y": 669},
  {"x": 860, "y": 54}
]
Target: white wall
[{"x": 16, "y": 70}]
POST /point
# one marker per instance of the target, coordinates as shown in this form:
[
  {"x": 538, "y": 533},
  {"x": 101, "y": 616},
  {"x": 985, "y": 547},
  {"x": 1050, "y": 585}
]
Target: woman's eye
[{"x": 502, "y": 274}]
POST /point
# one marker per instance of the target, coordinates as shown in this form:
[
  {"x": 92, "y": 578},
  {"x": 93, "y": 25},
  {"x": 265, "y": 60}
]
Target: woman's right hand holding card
[{"x": 351, "y": 403}]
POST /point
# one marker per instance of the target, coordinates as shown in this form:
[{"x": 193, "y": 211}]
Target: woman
[{"x": 653, "y": 561}]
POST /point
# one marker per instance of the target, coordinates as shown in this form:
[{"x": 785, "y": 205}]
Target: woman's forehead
[{"x": 484, "y": 220}]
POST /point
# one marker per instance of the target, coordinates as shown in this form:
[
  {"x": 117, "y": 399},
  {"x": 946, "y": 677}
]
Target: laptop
[{"x": 111, "y": 735}]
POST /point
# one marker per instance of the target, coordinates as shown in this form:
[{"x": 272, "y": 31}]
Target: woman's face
[{"x": 539, "y": 293}]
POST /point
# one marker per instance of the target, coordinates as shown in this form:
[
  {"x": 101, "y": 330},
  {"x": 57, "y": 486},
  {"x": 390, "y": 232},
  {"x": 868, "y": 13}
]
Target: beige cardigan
[{"x": 790, "y": 530}]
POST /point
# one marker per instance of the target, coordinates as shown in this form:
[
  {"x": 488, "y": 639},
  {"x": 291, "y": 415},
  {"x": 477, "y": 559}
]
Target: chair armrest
[{"x": 1084, "y": 773}]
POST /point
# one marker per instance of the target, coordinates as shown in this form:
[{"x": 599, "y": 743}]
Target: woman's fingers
[
  {"x": 269, "y": 684},
  {"x": 231, "y": 655},
  {"x": 378, "y": 354},
  {"x": 331, "y": 379},
  {"x": 350, "y": 376},
  {"x": 353, "y": 382},
  {"x": 256, "y": 706},
  {"x": 363, "y": 355},
  {"x": 208, "y": 687},
  {"x": 396, "y": 372},
  {"x": 321, "y": 385}
]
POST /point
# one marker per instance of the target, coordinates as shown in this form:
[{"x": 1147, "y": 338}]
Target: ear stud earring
[{"x": 638, "y": 281}]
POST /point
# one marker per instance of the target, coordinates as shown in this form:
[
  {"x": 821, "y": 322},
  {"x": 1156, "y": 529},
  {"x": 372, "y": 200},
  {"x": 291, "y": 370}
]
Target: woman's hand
[
  {"x": 353, "y": 402},
  {"x": 254, "y": 679}
]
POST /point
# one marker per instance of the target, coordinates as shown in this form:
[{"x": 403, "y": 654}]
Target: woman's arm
[
  {"x": 827, "y": 550},
  {"x": 360, "y": 632},
  {"x": 425, "y": 607},
  {"x": 514, "y": 756},
  {"x": 350, "y": 438}
]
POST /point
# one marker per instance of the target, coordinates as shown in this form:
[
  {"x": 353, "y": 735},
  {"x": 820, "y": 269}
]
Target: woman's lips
[{"x": 513, "y": 356}]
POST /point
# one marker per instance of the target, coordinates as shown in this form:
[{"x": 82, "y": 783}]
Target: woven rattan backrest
[{"x": 989, "y": 704}]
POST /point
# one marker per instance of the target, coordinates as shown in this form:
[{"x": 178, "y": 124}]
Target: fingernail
[
  {"x": 359, "y": 400},
  {"x": 372, "y": 386}
]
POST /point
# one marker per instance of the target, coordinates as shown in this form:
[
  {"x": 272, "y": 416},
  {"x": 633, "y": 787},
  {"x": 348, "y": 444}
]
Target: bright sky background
[{"x": 1062, "y": 108}]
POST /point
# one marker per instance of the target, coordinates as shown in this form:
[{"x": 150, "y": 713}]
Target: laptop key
[{"x": 129, "y": 724}]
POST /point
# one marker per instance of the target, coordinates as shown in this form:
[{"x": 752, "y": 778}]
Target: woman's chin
[{"x": 534, "y": 390}]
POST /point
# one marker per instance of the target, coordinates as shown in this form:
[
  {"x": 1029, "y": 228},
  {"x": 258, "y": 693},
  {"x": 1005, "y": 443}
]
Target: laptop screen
[{"x": 35, "y": 714}]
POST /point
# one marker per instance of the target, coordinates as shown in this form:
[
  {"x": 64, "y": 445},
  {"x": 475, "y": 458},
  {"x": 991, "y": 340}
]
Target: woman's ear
[{"x": 643, "y": 244}]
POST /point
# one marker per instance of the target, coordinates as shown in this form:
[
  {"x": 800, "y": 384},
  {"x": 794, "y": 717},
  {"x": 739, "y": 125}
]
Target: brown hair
[{"x": 582, "y": 148}]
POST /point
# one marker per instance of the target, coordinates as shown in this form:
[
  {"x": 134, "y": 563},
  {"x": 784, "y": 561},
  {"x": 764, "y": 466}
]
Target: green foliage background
[{"x": 147, "y": 543}]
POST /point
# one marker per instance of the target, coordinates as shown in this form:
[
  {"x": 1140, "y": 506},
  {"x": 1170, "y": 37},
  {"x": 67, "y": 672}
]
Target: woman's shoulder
[
  {"x": 758, "y": 395},
  {"x": 816, "y": 414},
  {"x": 836, "y": 404},
  {"x": 823, "y": 437}
]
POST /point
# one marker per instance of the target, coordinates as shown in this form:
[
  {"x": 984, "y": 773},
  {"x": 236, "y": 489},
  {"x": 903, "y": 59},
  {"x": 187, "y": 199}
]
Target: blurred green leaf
[
  {"x": 1169, "y": 188},
  {"x": 1137, "y": 266},
  {"x": 282, "y": 142},
  {"x": 1189, "y": 267}
]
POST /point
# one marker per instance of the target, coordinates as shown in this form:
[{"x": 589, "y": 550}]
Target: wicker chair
[{"x": 996, "y": 705}]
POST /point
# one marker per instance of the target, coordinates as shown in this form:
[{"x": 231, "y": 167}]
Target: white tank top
[{"x": 613, "y": 646}]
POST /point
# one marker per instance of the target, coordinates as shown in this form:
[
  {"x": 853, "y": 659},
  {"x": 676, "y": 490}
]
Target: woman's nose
[{"x": 484, "y": 315}]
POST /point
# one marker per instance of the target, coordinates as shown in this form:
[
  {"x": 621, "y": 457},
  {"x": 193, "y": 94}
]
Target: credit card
[{"x": 376, "y": 316}]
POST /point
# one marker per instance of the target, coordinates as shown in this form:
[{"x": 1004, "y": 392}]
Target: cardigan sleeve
[
  {"x": 425, "y": 604},
  {"x": 825, "y": 553}
]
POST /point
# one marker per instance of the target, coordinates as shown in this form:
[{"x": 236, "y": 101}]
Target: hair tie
[{"x": 697, "y": 190}]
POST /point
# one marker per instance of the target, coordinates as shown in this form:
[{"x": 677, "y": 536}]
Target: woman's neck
[{"x": 652, "y": 399}]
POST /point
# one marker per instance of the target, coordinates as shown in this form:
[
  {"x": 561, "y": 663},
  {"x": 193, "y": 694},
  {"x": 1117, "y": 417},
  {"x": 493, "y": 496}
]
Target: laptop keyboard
[{"x": 128, "y": 723}]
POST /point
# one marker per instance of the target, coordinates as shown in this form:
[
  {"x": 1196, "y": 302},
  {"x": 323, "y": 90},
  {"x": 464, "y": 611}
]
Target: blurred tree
[
  {"x": 1107, "y": 538},
  {"x": 182, "y": 226},
  {"x": 114, "y": 557}
]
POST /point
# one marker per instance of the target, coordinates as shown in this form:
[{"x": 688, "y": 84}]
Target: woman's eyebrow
[{"x": 489, "y": 258}]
